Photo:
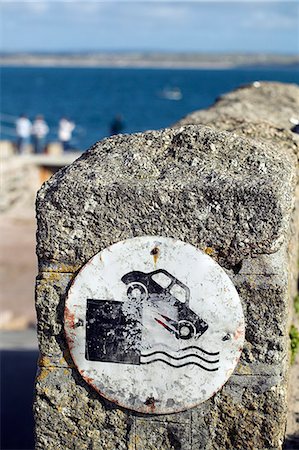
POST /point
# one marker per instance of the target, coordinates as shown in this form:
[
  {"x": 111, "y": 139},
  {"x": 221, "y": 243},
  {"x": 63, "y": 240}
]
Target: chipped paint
[
  {"x": 88, "y": 379},
  {"x": 150, "y": 402},
  {"x": 69, "y": 317},
  {"x": 70, "y": 342},
  {"x": 239, "y": 333}
]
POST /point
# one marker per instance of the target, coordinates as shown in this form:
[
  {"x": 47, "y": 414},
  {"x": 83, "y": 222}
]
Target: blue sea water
[{"x": 93, "y": 96}]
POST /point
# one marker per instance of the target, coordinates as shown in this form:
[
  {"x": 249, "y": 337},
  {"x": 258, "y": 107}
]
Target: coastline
[{"x": 148, "y": 60}]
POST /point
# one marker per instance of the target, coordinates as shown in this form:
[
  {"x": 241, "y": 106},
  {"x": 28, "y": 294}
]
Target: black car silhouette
[{"x": 142, "y": 286}]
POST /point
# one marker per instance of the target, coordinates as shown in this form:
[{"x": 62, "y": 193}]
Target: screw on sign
[{"x": 154, "y": 324}]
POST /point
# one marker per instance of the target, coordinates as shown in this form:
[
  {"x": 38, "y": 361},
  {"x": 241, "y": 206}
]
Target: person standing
[
  {"x": 23, "y": 131},
  {"x": 39, "y": 132},
  {"x": 117, "y": 125},
  {"x": 65, "y": 131}
]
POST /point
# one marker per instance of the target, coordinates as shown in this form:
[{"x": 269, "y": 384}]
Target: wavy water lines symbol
[
  {"x": 187, "y": 359},
  {"x": 177, "y": 358},
  {"x": 193, "y": 347}
]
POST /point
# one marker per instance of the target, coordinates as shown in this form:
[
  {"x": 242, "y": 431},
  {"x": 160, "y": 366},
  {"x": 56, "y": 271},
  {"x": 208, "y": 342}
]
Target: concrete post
[{"x": 230, "y": 194}]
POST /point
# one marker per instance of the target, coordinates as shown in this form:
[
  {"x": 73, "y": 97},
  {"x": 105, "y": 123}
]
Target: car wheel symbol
[
  {"x": 186, "y": 329},
  {"x": 137, "y": 291}
]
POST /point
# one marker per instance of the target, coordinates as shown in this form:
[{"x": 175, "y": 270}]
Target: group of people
[{"x": 37, "y": 133}]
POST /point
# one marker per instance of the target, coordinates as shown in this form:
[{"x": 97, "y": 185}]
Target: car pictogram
[{"x": 146, "y": 286}]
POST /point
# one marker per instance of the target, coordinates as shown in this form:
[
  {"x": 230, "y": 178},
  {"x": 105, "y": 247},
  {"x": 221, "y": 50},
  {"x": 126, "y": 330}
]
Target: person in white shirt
[
  {"x": 39, "y": 132},
  {"x": 23, "y": 131},
  {"x": 65, "y": 130}
]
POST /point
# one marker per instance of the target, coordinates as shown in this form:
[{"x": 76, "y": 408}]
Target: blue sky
[{"x": 196, "y": 26}]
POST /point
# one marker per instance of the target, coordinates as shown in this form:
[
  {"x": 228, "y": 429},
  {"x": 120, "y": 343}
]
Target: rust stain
[
  {"x": 155, "y": 252},
  {"x": 69, "y": 317},
  {"x": 152, "y": 408},
  {"x": 238, "y": 333},
  {"x": 150, "y": 402},
  {"x": 88, "y": 379},
  {"x": 70, "y": 342}
]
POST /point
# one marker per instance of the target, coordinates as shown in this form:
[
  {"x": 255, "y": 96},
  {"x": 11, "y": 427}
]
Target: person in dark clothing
[{"x": 117, "y": 125}]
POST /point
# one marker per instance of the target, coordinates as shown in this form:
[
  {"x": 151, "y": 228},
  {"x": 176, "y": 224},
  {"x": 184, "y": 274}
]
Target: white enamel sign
[{"x": 154, "y": 324}]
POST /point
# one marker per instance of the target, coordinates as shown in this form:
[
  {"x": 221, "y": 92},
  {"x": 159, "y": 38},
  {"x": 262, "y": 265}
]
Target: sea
[{"x": 147, "y": 99}]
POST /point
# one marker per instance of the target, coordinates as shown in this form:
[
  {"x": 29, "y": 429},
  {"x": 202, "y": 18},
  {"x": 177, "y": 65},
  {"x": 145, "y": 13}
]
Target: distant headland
[{"x": 147, "y": 60}]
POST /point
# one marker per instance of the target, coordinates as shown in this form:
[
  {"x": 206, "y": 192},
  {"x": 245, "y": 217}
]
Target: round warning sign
[{"x": 154, "y": 324}]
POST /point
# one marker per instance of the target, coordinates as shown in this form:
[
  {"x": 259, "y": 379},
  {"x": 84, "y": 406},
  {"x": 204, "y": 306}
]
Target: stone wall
[
  {"x": 265, "y": 112},
  {"x": 228, "y": 187}
]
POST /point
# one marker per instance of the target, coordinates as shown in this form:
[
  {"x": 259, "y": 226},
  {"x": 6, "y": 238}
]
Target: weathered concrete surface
[
  {"x": 228, "y": 193},
  {"x": 266, "y": 112},
  {"x": 261, "y": 112},
  {"x": 157, "y": 165}
]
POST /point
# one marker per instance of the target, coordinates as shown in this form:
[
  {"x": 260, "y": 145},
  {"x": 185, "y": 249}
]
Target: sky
[{"x": 173, "y": 26}]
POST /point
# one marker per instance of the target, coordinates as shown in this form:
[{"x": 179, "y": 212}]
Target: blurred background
[{"x": 75, "y": 72}]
